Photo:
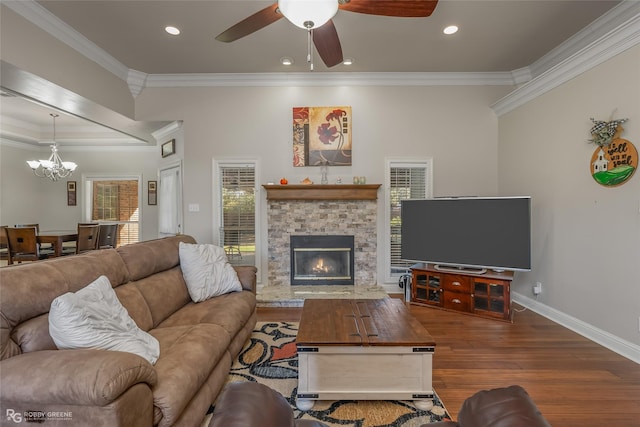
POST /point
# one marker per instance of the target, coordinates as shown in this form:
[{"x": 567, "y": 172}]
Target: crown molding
[
  {"x": 521, "y": 75},
  {"x": 136, "y": 81},
  {"x": 69, "y": 134},
  {"x": 589, "y": 35},
  {"x": 626, "y": 35},
  {"x": 116, "y": 146},
  {"x": 167, "y": 131},
  {"x": 17, "y": 140},
  {"x": 111, "y": 148},
  {"x": 329, "y": 79}
]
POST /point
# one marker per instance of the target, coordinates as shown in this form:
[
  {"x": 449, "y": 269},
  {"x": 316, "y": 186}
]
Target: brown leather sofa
[
  {"x": 249, "y": 404},
  {"x": 109, "y": 388},
  {"x": 500, "y": 407}
]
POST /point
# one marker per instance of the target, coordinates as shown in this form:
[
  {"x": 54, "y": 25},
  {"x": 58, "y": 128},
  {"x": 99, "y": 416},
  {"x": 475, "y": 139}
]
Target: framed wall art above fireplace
[{"x": 322, "y": 136}]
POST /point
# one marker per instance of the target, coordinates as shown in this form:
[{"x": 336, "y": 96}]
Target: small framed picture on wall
[
  {"x": 152, "y": 193},
  {"x": 71, "y": 193},
  {"x": 169, "y": 148}
]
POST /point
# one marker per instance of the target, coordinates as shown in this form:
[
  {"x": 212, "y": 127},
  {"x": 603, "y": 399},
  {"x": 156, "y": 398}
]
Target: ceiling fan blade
[
  {"x": 327, "y": 43},
  {"x": 253, "y": 23},
  {"x": 402, "y": 8}
]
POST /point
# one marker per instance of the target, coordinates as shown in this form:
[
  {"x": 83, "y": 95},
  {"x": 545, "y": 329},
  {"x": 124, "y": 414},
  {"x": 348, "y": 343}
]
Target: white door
[{"x": 170, "y": 200}]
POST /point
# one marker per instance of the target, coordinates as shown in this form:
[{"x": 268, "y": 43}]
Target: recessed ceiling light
[
  {"x": 348, "y": 61},
  {"x": 172, "y": 30},
  {"x": 451, "y": 29},
  {"x": 286, "y": 61}
]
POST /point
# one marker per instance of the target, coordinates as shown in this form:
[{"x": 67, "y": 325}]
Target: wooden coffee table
[{"x": 363, "y": 350}]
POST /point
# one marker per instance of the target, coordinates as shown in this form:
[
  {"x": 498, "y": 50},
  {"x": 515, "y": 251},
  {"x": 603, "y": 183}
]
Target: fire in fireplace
[{"x": 322, "y": 260}]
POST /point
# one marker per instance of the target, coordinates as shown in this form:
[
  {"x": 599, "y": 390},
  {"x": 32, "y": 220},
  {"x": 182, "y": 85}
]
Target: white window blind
[
  {"x": 105, "y": 204},
  {"x": 238, "y": 212},
  {"x": 114, "y": 199},
  {"x": 406, "y": 181}
]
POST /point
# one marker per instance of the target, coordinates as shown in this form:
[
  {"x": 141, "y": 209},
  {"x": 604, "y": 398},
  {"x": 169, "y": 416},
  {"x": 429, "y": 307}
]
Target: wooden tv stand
[{"x": 487, "y": 294}]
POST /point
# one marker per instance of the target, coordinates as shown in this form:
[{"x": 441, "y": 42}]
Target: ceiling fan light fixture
[
  {"x": 348, "y": 61},
  {"x": 286, "y": 61},
  {"x": 308, "y": 14}
]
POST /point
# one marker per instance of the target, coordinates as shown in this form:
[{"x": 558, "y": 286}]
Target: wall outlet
[{"x": 537, "y": 288}]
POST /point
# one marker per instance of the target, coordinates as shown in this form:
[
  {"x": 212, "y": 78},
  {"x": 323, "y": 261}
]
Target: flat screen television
[{"x": 476, "y": 233}]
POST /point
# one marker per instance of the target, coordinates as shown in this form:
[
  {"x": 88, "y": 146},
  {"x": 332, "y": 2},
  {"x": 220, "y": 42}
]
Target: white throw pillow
[
  {"x": 93, "y": 317},
  {"x": 207, "y": 271}
]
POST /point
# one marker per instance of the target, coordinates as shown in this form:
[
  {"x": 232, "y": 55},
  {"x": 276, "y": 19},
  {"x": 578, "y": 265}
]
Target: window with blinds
[
  {"x": 116, "y": 200},
  {"x": 406, "y": 181},
  {"x": 238, "y": 212},
  {"x": 105, "y": 202}
]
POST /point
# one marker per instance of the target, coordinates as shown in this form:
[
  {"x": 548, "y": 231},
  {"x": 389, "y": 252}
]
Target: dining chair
[
  {"x": 37, "y": 227},
  {"x": 88, "y": 237},
  {"x": 44, "y": 248},
  {"x": 23, "y": 245},
  {"x": 108, "y": 237}
]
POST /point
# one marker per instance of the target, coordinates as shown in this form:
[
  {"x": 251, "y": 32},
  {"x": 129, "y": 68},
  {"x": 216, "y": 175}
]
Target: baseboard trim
[{"x": 622, "y": 347}]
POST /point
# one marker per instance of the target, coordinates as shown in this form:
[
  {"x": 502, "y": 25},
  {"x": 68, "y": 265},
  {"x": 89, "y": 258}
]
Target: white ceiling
[{"x": 494, "y": 36}]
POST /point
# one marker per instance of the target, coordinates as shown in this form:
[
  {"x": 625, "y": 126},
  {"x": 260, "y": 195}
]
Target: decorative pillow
[
  {"x": 207, "y": 271},
  {"x": 93, "y": 317}
]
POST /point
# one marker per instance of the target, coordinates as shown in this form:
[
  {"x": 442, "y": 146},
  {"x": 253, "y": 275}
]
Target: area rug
[{"x": 270, "y": 358}]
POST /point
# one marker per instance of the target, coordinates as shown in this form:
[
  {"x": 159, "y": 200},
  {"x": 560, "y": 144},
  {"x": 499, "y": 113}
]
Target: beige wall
[
  {"x": 586, "y": 238},
  {"x": 452, "y": 124}
]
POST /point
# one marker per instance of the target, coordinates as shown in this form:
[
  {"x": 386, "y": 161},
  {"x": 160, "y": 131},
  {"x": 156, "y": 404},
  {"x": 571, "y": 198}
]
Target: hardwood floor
[{"x": 574, "y": 381}]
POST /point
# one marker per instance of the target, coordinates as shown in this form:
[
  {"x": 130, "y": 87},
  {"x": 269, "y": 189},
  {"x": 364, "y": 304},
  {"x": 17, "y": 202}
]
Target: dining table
[{"x": 56, "y": 238}]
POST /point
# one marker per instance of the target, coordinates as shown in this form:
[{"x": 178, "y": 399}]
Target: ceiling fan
[{"x": 315, "y": 16}]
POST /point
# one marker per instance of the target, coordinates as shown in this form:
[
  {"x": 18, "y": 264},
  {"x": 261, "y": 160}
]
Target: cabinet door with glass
[
  {"x": 426, "y": 288},
  {"x": 491, "y": 298}
]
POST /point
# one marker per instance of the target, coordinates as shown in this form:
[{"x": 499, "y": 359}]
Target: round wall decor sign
[{"x": 615, "y": 163}]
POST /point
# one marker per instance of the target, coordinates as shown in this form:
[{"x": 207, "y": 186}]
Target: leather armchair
[
  {"x": 250, "y": 404},
  {"x": 500, "y": 407}
]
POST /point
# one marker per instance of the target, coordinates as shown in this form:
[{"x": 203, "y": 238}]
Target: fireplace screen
[{"x": 322, "y": 260}]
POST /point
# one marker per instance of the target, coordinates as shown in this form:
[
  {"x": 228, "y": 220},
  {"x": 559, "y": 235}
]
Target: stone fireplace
[{"x": 322, "y": 210}]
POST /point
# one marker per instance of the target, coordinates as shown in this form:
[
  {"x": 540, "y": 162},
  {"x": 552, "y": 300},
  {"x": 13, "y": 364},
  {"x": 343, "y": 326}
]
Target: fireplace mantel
[
  {"x": 327, "y": 209},
  {"x": 322, "y": 191}
]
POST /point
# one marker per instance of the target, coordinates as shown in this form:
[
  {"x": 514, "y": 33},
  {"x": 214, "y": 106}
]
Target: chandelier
[
  {"x": 308, "y": 14},
  {"x": 54, "y": 168}
]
